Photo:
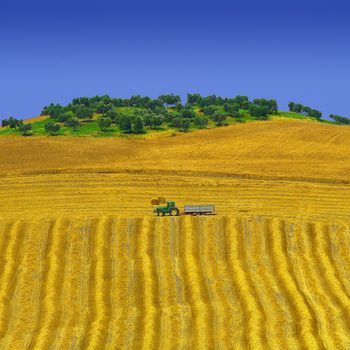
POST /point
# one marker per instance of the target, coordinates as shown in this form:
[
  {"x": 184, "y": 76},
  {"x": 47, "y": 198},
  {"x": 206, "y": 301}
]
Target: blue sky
[{"x": 53, "y": 51}]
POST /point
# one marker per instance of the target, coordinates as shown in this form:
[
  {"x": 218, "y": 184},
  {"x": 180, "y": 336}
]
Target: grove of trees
[
  {"x": 139, "y": 113},
  {"x": 299, "y": 108}
]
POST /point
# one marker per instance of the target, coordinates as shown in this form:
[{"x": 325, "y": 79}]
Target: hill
[
  {"x": 103, "y": 116},
  {"x": 272, "y": 149},
  {"x": 85, "y": 264}
]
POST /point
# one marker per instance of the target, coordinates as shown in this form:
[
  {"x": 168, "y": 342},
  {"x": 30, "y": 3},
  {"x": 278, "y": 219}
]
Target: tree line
[{"x": 135, "y": 114}]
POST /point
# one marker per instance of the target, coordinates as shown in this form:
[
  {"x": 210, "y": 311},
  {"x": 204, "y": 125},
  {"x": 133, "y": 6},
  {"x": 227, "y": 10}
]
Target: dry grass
[
  {"x": 291, "y": 150},
  {"x": 85, "y": 265}
]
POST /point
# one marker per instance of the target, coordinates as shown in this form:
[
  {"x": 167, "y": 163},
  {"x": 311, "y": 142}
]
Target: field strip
[
  {"x": 58, "y": 196},
  {"x": 227, "y": 282}
]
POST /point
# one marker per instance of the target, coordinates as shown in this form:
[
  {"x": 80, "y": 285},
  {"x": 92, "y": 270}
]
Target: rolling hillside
[{"x": 85, "y": 264}]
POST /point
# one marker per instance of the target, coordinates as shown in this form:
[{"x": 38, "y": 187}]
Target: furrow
[
  {"x": 339, "y": 243},
  {"x": 26, "y": 296},
  {"x": 258, "y": 266},
  {"x": 279, "y": 290},
  {"x": 201, "y": 334},
  {"x": 88, "y": 294},
  {"x": 148, "y": 322},
  {"x": 284, "y": 268},
  {"x": 7, "y": 229},
  {"x": 99, "y": 302},
  {"x": 118, "y": 328},
  {"x": 234, "y": 304},
  {"x": 52, "y": 285},
  {"x": 181, "y": 276},
  {"x": 130, "y": 287},
  {"x": 223, "y": 325},
  {"x": 334, "y": 286},
  {"x": 72, "y": 287},
  {"x": 139, "y": 289},
  {"x": 253, "y": 319},
  {"x": 311, "y": 281},
  {"x": 170, "y": 330},
  {"x": 8, "y": 281}
]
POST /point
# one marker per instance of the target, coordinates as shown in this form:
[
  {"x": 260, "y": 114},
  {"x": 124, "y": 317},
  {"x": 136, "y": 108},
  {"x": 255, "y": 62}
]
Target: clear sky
[{"x": 53, "y": 51}]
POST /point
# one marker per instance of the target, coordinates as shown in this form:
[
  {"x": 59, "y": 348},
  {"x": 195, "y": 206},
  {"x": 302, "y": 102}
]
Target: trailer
[{"x": 203, "y": 209}]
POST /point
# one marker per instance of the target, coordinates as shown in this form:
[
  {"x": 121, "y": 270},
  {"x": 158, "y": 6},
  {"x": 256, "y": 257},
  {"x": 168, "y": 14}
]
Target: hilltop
[{"x": 102, "y": 116}]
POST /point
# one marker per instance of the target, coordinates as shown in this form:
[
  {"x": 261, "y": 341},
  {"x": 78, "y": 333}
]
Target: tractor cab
[{"x": 170, "y": 209}]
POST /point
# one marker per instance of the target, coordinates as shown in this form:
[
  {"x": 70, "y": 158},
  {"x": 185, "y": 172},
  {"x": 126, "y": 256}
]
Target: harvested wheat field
[{"x": 84, "y": 264}]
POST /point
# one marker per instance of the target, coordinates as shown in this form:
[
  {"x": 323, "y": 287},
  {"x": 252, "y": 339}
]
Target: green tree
[
  {"x": 188, "y": 113},
  {"x": 104, "y": 123},
  {"x": 340, "y": 120},
  {"x": 83, "y": 112},
  {"x": 52, "y": 128},
  {"x": 231, "y": 108},
  {"x": 315, "y": 114},
  {"x": 26, "y": 129},
  {"x": 125, "y": 123},
  {"x": 73, "y": 122},
  {"x": 113, "y": 115},
  {"x": 138, "y": 126},
  {"x": 185, "y": 124},
  {"x": 169, "y": 99},
  {"x": 53, "y": 110},
  {"x": 4, "y": 123},
  {"x": 200, "y": 121},
  {"x": 66, "y": 116},
  {"x": 219, "y": 118},
  {"x": 156, "y": 121},
  {"x": 14, "y": 123},
  {"x": 210, "y": 110}
]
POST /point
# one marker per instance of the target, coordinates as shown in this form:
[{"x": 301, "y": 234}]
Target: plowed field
[{"x": 84, "y": 264}]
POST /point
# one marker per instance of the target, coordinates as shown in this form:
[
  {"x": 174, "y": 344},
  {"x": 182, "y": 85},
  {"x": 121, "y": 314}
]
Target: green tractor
[{"x": 170, "y": 209}]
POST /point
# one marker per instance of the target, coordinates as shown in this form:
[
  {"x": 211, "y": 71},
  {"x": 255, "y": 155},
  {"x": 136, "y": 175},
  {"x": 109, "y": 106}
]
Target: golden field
[{"x": 84, "y": 264}]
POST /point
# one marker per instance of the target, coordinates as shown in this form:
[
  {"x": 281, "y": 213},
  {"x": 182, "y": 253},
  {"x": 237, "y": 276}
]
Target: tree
[
  {"x": 210, "y": 110},
  {"x": 83, "y": 112},
  {"x": 104, "y": 123},
  {"x": 138, "y": 126},
  {"x": 102, "y": 107},
  {"x": 185, "y": 124},
  {"x": 231, "y": 108},
  {"x": 340, "y": 120},
  {"x": 194, "y": 99},
  {"x": 113, "y": 115},
  {"x": 53, "y": 110},
  {"x": 26, "y": 129},
  {"x": 12, "y": 122},
  {"x": 66, "y": 116},
  {"x": 4, "y": 123},
  {"x": 155, "y": 121},
  {"x": 201, "y": 121},
  {"x": 315, "y": 114},
  {"x": 258, "y": 111},
  {"x": 169, "y": 99},
  {"x": 219, "y": 118},
  {"x": 242, "y": 101},
  {"x": 52, "y": 128},
  {"x": 188, "y": 113},
  {"x": 291, "y": 106},
  {"x": 73, "y": 122},
  {"x": 125, "y": 123}
]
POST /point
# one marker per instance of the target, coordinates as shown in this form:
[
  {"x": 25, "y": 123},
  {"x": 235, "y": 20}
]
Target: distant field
[{"x": 84, "y": 264}]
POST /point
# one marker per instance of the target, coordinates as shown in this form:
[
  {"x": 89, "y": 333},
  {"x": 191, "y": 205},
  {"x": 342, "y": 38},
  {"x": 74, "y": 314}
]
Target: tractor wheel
[
  {"x": 174, "y": 211},
  {"x": 160, "y": 213}
]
